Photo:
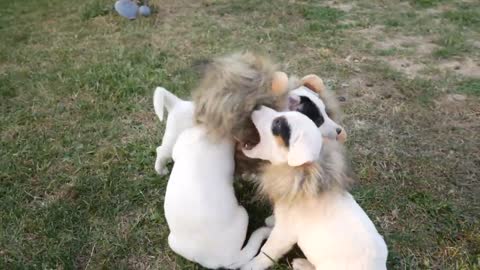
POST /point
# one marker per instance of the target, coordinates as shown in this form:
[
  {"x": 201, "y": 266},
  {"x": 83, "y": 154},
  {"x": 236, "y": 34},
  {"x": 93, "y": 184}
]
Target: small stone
[
  {"x": 395, "y": 213},
  {"x": 345, "y": 85},
  {"x": 458, "y": 97},
  {"x": 342, "y": 98},
  {"x": 386, "y": 95}
]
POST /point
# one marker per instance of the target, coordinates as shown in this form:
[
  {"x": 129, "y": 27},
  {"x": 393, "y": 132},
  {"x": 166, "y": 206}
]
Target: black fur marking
[
  {"x": 280, "y": 127},
  {"x": 311, "y": 110}
]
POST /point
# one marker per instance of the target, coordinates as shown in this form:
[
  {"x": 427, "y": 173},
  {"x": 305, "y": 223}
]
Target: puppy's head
[
  {"x": 285, "y": 137},
  {"x": 307, "y": 99}
]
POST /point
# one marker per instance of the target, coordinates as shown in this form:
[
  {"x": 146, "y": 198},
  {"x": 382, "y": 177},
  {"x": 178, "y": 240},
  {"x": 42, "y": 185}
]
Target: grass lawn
[{"x": 78, "y": 132}]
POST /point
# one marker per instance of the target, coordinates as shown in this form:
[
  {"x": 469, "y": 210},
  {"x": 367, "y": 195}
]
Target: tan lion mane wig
[
  {"x": 286, "y": 183},
  {"x": 231, "y": 88}
]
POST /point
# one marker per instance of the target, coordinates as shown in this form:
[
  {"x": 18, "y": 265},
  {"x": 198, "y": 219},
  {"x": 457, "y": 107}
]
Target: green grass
[
  {"x": 401, "y": 19},
  {"x": 321, "y": 18},
  {"x": 471, "y": 86},
  {"x": 466, "y": 15},
  {"x": 322, "y": 14},
  {"x": 78, "y": 132},
  {"x": 95, "y": 8},
  {"x": 452, "y": 44}
]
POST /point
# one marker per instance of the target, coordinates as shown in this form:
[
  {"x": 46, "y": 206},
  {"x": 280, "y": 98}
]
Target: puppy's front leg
[
  {"x": 270, "y": 221},
  {"x": 162, "y": 158},
  {"x": 279, "y": 243},
  {"x": 164, "y": 151},
  {"x": 302, "y": 264}
]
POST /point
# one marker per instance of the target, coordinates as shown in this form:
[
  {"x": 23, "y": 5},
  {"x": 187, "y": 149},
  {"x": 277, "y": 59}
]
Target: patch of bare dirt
[
  {"x": 467, "y": 67},
  {"x": 422, "y": 45},
  {"x": 408, "y": 67},
  {"x": 416, "y": 51},
  {"x": 419, "y": 49},
  {"x": 451, "y": 104},
  {"x": 341, "y": 6},
  {"x": 371, "y": 31}
]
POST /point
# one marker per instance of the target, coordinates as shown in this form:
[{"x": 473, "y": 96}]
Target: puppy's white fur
[
  {"x": 330, "y": 228},
  {"x": 207, "y": 225}
]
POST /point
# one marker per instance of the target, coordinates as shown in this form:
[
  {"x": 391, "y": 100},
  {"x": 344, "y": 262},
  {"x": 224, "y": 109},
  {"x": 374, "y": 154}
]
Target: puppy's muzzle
[{"x": 341, "y": 135}]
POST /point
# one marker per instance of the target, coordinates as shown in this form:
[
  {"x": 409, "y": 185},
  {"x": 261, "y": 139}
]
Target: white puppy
[
  {"x": 328, "y": 225},
  {"x": 207, "y": 225}
]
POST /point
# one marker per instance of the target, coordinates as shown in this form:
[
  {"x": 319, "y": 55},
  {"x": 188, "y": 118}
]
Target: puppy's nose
[{"x": 338, "y": 130}]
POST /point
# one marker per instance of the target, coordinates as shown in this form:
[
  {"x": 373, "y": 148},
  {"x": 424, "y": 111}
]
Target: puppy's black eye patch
[
  {"x": 311, "y": 110},
  {"x": 281, "y": 129}
]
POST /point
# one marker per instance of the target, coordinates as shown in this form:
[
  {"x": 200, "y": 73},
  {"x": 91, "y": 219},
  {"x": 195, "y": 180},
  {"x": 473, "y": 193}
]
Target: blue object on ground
[
  {"x": 126, "y": 8},
  {"x": 144, "y": 10}
]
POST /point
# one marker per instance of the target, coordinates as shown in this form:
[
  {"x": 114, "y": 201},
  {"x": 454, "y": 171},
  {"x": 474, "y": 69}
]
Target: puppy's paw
[
  {"x": 160, "y": 168},
  {"x": 164, "y": 171},
  {"x": 252, "y": 265},
  {"x": 302, "y": 264},
  {"x": 247, "y": 266},
  {"x": 270, "y": 221},
  {"x": 265, "y": 232}
]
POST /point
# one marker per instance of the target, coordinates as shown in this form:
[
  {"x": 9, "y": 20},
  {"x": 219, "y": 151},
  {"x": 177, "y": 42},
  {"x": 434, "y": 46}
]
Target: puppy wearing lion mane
[{"x": 307, "y": 184}]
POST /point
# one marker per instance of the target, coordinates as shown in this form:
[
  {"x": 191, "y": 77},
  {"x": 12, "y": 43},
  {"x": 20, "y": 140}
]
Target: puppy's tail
[
  {"x": 252, "y": 247},
  {"x": 163, "y": 98}
]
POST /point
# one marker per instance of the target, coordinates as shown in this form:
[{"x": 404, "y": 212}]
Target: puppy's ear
[
  {"x": 301, "y": 152},
  {"x": 314, "y": 83},
  {"x": 279, "y": 82}
]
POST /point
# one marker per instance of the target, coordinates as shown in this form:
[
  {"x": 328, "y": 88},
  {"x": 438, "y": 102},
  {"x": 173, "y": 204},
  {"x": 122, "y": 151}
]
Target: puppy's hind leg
[{"x": 302, "y": 264}]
